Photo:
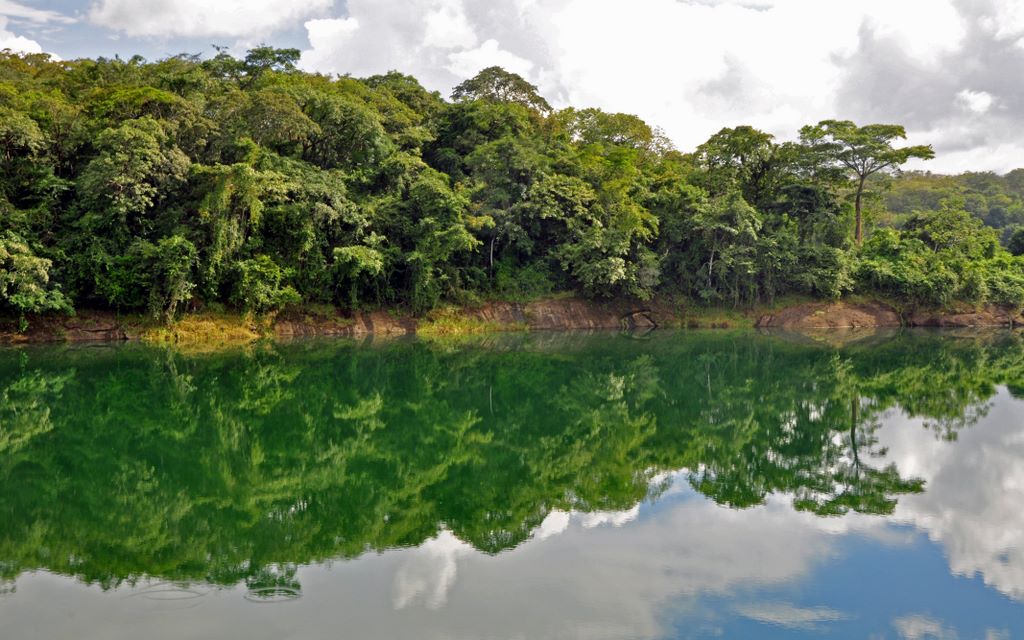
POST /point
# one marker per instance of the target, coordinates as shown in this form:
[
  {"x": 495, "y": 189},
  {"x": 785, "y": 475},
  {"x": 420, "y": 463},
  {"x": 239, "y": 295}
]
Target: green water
[{"x": 546, "y": 485}]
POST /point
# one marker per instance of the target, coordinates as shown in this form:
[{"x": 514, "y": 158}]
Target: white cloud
[
  {"x": 199, "y": 18},
  {"x": 16, "y": 43},
  {"x": 943, "y": 31},
  {"x": 438, "y": 41},
  {"x": 1006, "y": 19},
  {"x": 974, "y": 491},
  {"x": 465, "y": 64},
  {"x": 322, "y": 33},
  {"x": 448, "y": 28},
  {"x": 19, "y": 11},
  {"x": 430, "y": 571},
  {"x": 22, "y": 15},
  {"x": 555, "y": 523},
  {"x": 918, "y": 627},
  {"x": 786, "y": 615},
  {"x": 613, "y": 518},
  {"x": 975, "y": 101},
  {"x": 693, "y": 69}
]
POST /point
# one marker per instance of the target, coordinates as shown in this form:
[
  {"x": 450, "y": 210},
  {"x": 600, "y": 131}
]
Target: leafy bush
[
  {"x": 25, "y": 279},
  {"x": 512, "y": 282},
  {"x": 258, "y": 286}
]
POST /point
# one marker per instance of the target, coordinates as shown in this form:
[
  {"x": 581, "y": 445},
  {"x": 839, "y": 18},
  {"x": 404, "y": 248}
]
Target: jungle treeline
[{"x": 247, "y": 184}]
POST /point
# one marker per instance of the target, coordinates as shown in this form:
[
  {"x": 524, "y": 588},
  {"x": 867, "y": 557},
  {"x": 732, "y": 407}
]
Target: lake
[{"x": 674, "y": 485}]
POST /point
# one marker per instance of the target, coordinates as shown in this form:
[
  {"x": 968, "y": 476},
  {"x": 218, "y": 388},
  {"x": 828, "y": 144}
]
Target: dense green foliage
[
  {"x": 129, "y": 462},
  {"x": 187, "y": 182},
  {"x": 996, "y": 200}
]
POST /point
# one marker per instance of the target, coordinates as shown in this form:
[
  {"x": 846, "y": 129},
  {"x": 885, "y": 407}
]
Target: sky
[{"x": 948, "y": 70}]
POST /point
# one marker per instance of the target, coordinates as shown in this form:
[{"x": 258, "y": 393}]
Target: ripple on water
[
  {"x": 270, "y": 595},
  {"x": 171, "y": 595}
]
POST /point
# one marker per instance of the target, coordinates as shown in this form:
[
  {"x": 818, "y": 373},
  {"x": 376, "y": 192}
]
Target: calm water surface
[{"x": 689, "y": 485}]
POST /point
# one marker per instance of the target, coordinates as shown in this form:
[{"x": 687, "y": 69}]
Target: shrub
[{"x": 258, "y": 286}]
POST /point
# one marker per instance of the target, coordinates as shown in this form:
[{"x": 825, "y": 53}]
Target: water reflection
[
  {"x": 654, "y": 477},
  {"x": 973, "y": 502}
]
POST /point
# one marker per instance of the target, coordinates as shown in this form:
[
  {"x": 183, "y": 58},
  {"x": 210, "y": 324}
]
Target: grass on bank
[
  {"x": 449, "y": 321},
  {"x": 701, "y": 317},
  {"x": 690, "y": 314},
  {"x": 221, "y": 329}
]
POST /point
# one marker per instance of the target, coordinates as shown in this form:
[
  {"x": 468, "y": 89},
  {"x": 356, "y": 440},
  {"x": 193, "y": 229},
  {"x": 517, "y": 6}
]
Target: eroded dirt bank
[
  {"x": 558, "y": 314},
  {"x": 831, "y": 315},
  {"x": 553, "y": 315},
  {"x": 848, "y": 315}
]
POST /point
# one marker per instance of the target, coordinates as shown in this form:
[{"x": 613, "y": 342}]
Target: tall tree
[
  {"x": 742, "y": 158},
  {"x": 263, "y": 58},
  {"x": 494, "y": 83},
  {"x": 861, "y": 152}
]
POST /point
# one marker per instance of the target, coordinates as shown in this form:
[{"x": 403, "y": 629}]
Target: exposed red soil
[{"x": 831, "y": 315}]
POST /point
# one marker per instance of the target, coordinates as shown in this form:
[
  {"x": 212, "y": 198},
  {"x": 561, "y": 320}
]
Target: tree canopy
[
  {"x": 246, "y": 183},
  {"x": 861, "y": 152}
]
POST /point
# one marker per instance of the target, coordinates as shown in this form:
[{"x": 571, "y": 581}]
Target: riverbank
[{"x": 552, "y": 314}]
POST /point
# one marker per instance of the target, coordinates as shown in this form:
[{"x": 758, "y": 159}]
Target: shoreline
[{"x": 550, "y": 314}]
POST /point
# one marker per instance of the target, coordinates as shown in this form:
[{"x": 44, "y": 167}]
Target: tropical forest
[{"x": 247, "y": 185}]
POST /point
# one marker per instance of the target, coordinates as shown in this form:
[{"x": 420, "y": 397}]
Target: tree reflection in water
[{"x": 132, "y": 462}]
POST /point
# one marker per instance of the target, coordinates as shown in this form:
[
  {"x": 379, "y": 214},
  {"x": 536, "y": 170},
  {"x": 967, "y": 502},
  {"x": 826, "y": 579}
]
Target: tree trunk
[
  {"x": 854, "y": 419},
  {"x": 711, "y": 265},
  {"x": 857, "y": 205}
]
